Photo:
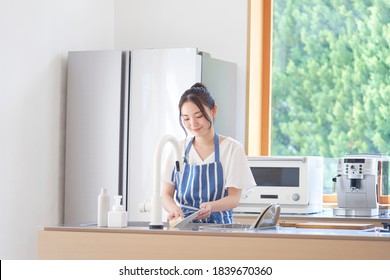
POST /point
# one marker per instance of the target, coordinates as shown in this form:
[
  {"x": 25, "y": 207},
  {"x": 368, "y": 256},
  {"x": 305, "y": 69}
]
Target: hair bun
[{"x": 199, "y": 87}]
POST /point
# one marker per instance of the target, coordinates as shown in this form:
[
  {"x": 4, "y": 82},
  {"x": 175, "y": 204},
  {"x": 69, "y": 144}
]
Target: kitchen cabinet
[{"x": 279, "y": 243}]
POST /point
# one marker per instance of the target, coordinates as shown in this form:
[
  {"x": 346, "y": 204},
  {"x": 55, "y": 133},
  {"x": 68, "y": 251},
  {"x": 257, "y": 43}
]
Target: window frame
[{"x": 259, "y": 54}]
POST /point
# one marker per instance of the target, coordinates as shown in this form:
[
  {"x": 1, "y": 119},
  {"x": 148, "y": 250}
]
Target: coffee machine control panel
[{"x": 356, "y": 168}]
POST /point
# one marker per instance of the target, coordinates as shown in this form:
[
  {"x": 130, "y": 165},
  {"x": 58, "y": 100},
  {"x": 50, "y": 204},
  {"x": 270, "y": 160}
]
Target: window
[{"x": 326, "y": 89}]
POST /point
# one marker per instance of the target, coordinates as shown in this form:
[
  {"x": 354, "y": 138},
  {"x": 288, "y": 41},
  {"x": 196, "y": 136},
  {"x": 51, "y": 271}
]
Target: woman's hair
[{"x": 200, "y": 96}]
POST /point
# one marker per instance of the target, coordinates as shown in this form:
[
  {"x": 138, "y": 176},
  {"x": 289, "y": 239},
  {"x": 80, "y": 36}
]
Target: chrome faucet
[{"x": 156, "y": 220}]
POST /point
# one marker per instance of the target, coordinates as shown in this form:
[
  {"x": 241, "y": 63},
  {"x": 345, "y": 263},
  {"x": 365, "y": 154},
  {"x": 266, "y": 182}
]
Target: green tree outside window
[{"x": 330, "y": 79}]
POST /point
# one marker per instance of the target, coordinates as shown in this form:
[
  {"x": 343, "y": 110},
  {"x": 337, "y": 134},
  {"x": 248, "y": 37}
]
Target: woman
[{"x": 215, "y": 169}]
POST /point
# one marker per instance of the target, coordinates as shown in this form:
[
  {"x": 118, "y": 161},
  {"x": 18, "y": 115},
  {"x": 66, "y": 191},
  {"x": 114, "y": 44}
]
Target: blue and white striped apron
[{"x": 201, "y": 183}]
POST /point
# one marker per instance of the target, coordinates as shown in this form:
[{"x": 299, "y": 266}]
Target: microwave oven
[{"x": 294, "y": 182}]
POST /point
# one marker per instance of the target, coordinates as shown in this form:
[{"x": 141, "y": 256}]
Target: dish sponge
[{"x": 174, "y": 222}]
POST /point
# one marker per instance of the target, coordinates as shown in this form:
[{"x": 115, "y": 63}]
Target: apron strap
[
  {"x": 188, "y": 149},
  {"x": 216, "y": 147}
]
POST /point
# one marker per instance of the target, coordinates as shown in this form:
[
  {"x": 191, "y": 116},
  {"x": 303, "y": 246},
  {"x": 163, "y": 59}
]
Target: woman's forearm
[
  {"x": 228, "y": 202},
  {"x": 168, "y": 202}
]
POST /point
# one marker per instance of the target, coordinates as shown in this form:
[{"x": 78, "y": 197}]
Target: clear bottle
[{"x": 103, "y": 208}]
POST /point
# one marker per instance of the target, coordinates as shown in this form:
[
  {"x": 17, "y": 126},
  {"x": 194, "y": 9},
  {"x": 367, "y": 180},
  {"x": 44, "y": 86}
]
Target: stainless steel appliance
[
  {"x": 294, "y": 182},
  {"x": 357, "y": 183},
  {"x": 119, "y": 105}
]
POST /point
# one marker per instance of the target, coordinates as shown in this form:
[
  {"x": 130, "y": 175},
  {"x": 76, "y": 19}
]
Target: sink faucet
[{"x": 156, "y": 221}]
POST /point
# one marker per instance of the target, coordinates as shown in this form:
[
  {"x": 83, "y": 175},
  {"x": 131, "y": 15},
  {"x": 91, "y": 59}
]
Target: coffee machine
[{"x": 357, "y": 183}]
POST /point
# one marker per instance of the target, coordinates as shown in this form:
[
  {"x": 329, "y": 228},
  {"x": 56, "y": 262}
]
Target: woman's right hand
[
  {"x": 176, "y": 213},
  {"x": 169, "y": 204}
]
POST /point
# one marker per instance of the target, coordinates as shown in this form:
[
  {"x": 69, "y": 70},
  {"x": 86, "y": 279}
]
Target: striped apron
[{"x": 201, "y": 183}]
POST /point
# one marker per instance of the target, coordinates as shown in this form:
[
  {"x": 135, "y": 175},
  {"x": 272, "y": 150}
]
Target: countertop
[{"x": 205, "y": 229}]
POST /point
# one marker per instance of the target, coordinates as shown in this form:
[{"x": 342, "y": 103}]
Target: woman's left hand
[{"x": 206, "y": 211}]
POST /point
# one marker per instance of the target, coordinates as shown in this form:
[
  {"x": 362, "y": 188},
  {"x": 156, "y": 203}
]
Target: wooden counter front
[{"x": 96, "y": 243}]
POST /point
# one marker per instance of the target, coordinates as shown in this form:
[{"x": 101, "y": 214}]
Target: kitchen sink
[
  {"x": 224, "y": 226},
  {"x": 381, "y": 230}
]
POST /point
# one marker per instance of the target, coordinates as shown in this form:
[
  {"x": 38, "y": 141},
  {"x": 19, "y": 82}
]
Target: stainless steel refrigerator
[{"x": 119, "y": 105}]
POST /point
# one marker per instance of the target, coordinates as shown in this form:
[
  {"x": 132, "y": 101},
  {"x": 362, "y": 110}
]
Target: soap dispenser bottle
[
  {"x": 118, "y": 216},
  {"x": 103, "y": 208}
]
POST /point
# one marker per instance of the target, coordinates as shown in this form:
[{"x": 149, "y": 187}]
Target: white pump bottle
[{"x": 118, "y": 216}]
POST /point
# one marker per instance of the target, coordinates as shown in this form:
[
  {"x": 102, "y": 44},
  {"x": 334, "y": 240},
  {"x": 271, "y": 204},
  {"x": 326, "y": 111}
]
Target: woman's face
[{"x": 194, "y": 120}]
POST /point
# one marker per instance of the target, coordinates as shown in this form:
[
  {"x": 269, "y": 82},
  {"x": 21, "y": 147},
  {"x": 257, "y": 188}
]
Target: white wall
[
  {"x": 34, "y": 39},
  {"x": 218, "y": 27}
]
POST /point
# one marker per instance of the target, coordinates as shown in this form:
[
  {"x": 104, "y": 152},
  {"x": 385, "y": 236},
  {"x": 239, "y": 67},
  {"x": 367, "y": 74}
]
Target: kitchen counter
[{"x": 137, "y": 241}]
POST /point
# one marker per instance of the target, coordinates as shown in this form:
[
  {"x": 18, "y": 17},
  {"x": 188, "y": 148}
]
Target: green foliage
[{"x": 331, "y": 77}]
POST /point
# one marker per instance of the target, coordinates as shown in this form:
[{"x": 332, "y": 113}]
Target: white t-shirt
[{"x": 236, "y": 171}]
